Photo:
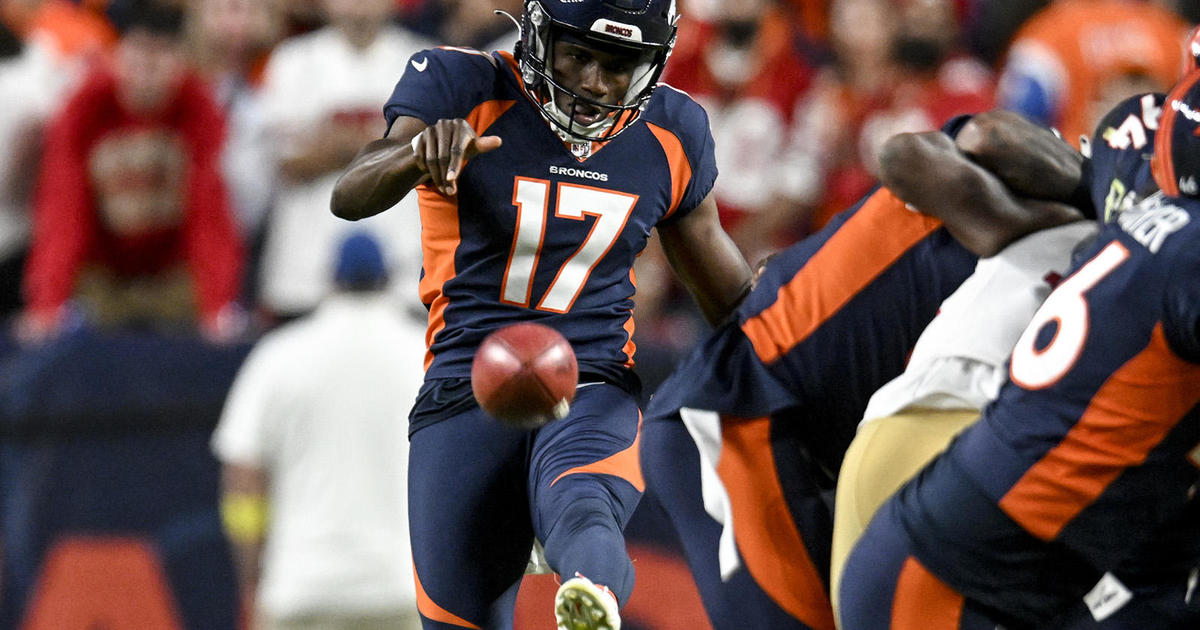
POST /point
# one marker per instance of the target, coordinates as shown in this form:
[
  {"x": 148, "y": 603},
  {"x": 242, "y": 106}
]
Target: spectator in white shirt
[
  {"x": 314, "y": 431},
  {"x": 322, "y": 96}
]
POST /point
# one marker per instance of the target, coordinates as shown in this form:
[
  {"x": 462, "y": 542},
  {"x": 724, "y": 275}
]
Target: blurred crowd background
[
  {"x": 266, "y": 100},
  {"x": 273, "y": 97},
  {"x": 165, "y": 171}
]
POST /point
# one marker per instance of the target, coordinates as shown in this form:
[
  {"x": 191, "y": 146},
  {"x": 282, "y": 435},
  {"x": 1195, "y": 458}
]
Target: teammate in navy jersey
[
  {"x": 1071, "y": 502},
  {"x": 960, "y": 361},
  {"x": 540, "y": 176},
  {"x": 775, "y": 395},
  {"x": 1121, "y": 148}
]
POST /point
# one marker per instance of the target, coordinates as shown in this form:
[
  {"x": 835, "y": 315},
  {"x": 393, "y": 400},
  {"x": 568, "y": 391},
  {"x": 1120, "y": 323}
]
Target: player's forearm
[
  {"x": 1028, "y": 158},
  {"x": 245, "y": 515},
  {"x": 718, "y": 305},
  {"x": 717, "y": 276},
  {"x": 377, "y": 179},
  {"x": 928, "y": 172},
  {"x": 706, "y": 260}
]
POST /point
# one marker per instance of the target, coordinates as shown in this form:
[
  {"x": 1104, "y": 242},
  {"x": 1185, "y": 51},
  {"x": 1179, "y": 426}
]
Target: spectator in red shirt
[
  {"x": 742, "y": 66},
  {"x": 131, "y": 217},
  {"x": 898, "y": 67}
]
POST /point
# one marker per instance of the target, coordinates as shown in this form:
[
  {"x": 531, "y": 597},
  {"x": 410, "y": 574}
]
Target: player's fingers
[
  {"x": 445, "y": 150},
  {"x": 460, "y": 148},
  {"x": 418, "y": 147},
  {"x": 437, "y": 174},
  {"x": 483, "y": 144}
]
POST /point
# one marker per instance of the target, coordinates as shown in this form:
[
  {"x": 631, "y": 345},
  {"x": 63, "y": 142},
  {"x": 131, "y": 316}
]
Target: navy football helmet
[
  {"x": 643, "y": 28},
  {"x": 1176, "y": 161}
]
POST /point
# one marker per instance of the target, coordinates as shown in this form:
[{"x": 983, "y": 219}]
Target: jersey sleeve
[
  {"x": 687, "y": 121},
  {"x": 704, "y": 166},
  {"x": 441, "y": 83}
]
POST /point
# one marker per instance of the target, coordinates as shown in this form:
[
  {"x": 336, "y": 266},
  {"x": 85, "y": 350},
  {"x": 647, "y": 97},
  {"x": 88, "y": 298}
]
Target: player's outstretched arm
[
  {"x": 387, "y": 169},
  {"x": 930, "y": 173},
  {"x": 1029, "y": 158},
  {"x": 706, "y": 261},
  {"x": 382, "y": 173}
]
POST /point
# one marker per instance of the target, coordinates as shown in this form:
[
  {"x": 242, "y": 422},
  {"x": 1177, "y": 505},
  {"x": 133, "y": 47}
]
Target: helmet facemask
[{"x": 535, "y": 53}]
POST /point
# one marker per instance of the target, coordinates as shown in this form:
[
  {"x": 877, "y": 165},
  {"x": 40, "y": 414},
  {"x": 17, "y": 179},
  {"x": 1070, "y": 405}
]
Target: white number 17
[{"x": 531, "y": 197}]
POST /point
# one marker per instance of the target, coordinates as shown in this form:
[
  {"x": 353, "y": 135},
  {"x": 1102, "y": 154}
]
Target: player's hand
[
  {"x": 760, "y": 269},
  {"x": 442, "y": 149}
]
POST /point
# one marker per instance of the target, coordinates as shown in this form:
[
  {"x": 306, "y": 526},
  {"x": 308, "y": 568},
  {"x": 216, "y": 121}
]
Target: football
[{"x": 524, "y": 375}]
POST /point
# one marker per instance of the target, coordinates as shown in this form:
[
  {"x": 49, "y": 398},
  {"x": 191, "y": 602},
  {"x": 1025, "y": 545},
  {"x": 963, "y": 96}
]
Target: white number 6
[{"x": 1032, "y": 368}]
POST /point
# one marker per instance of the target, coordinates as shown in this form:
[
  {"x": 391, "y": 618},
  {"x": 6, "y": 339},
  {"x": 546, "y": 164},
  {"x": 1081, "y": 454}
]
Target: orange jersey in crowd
[{"x": 1074, "y": 48}]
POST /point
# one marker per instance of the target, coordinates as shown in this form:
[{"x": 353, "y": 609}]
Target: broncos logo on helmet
[{"x": 643, "y": 29}]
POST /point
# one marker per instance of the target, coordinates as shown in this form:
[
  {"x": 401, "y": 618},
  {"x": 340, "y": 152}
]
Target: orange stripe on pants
[
  {"x": 766, "y": 535},
  {"x": 431, "y": 611},
  {"x": 625, "y": 464}
]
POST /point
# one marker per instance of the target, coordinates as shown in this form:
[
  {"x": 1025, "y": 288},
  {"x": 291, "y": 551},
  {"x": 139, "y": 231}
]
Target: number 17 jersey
[{"x": 541, "y": 229}]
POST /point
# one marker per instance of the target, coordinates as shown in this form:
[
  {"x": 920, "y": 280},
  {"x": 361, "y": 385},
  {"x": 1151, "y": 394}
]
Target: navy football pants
[
  {"x": 788, "y": 559},
  {"x": 479, "y": 492}
]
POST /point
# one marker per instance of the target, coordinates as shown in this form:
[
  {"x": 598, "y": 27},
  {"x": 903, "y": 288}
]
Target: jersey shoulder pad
[
  {"x": 677, "y": 113},
  {"x": 444, "y": 82}
]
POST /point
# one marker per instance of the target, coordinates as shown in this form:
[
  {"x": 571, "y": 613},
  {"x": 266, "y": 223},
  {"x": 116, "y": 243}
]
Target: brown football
[{"x": 524, "y": 375}]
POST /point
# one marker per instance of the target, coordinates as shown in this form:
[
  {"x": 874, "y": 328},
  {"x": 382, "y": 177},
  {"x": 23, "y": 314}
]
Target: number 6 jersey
[
  {"x": 541, "y": 228},
  {"x": 1093, "y": 446}
]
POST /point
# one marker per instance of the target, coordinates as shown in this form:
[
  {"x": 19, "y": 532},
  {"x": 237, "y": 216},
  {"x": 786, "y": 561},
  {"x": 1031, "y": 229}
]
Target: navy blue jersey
[
  {"x": 1119, "y": 167},
  {"x": 831, "y": 319},
  {"x": 1094, "y": 443},
  {"x": 540, "y": 229}
]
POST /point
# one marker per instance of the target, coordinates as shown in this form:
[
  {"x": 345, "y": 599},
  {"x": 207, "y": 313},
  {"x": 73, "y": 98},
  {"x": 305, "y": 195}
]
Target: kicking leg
[{"x": 585, "y": 481}]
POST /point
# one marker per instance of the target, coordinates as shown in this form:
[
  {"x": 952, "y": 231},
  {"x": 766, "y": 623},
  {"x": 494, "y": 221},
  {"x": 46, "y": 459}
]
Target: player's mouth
[{"x": 587, "y": 114}]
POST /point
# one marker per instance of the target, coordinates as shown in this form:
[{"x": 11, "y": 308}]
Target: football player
[
  {"x": 540, "y": 175},
  {"x": 742, "y": 445},
  {"x": 957, "y": 366},
  {"x": 1071, "y": 502}
]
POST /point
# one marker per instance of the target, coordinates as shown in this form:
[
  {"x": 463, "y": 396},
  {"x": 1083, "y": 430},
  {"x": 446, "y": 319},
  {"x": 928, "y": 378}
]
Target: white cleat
[{"x": 581, "y": 605}]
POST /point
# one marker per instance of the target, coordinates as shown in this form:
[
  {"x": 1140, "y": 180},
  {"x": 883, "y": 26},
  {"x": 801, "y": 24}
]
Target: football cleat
[{"x": 581, "y": 605}]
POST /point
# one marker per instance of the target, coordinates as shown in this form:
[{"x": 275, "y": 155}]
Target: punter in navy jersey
[
  {"x": 1071, "y": 502},
  {"x": 540, "y": 176},
  {"x": 775, "y": 395}
]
